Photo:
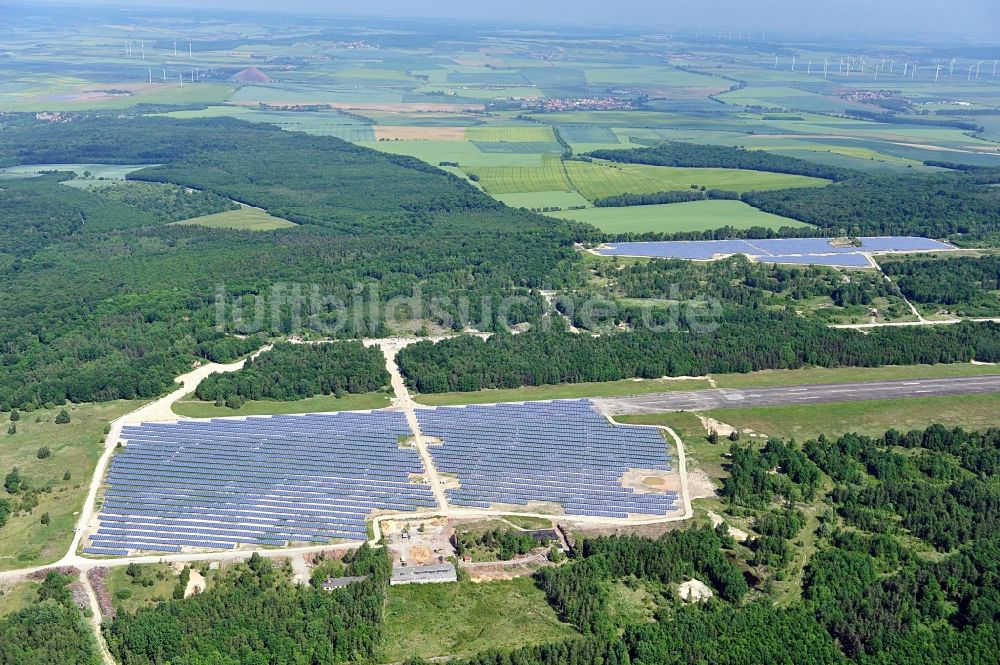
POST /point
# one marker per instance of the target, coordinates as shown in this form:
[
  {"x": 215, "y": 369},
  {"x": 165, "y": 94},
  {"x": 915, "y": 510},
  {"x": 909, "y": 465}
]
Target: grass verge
[
  {"x": 564, "y": 391},
  {"x": 193, "y": 408},
  {"x": 73, "y": 447},
  {"x": 464, "y": 618}
]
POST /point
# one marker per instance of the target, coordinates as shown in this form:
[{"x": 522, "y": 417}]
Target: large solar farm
[
  {"x": 811, "y": 251},
  {"x": 275, "y": 481}
]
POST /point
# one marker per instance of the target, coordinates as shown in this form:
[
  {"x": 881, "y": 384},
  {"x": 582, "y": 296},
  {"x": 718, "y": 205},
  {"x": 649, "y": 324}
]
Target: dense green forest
[
  {"x": 964, "y": 285},
  {"x": 744, "y": 341},
  {"x": 291, "y": 372},
  {"x": 97, "y": 308},
  {"x": 959, "y": 205},
  {"x": 677, "y": 153},
  {"x": 734, "y": 281},
  {"x": 953, "y": 206},
  {"x": 50, "y": 630},
  {"x": 657, "y": 198},
  {"x": 869, "y": 592},
  {"x": 254, "y": 614}
]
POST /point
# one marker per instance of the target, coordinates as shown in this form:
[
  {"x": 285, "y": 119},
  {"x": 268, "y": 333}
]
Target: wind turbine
[
  {"x": 906, "y": 68},
  {"x": 190, "y": 52},
  {"x": 164, "y": 75},
  {"x": 977, "y": 68},
  {"x": 775, "y": 63},
  {"x": 825, "y": 65},
  {"x": 875, "y": 67},
  {"x": 142, "y": 46},
  {"x": 793, "y": 63},
  {"x": 913, "y": 72},
  {"x": 994, "y": 68},
  {"x": 971, "y": 67},
  {"x": 175, "y": 48},
  {"x": 809, "y": 68},
  {"x": 937, "y": 73},
  {"x": 150, "y": 75},
  {"x": 951, "y": 70},
  {"x": 180, "y": 77}
]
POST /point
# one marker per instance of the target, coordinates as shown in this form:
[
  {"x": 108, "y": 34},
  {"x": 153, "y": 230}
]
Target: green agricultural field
[
  {"x": 75, "y": 448},
  {"x": 673, "y": 217},
  {"x": 538, "y": 200},
  {"x": 873, "y": 417},
  {"x": 246, "y": 218},
  {"x": 193, "y": 408},
  {"x": 464, "y": 618},
  {"x": 564, "y": 391},
  {"x": 784, "y": 97},
  {"x": 600, "y": 179},
  {"x": 78, "y": 98},
  {"x": 812, "y": 375},
  {"x": 548, "y": 176},
  {"x": 465, "y": 153},
  {"x": 525, "y": 133},
  {"x": 319, "y": 123}
]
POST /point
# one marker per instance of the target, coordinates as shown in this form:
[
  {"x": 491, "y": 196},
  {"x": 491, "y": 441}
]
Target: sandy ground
[
  {"x": 694, "y": 591},
  {"x": 721, "y": 428},
  {"x": 402, "y": 133},
  {"x": 700, "y": 485},
  {"x": 738, "y": 534},
  {"x": 196, "y": 583}
]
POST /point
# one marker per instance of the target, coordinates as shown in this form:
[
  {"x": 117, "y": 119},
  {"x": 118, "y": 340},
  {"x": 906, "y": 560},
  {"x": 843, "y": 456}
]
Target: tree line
[
  {"x": 744, "y": 341},
  {"x": 289, "y": 372},
  {"x": 253, "y": 613},
  {"x": 677, "y": 153}
]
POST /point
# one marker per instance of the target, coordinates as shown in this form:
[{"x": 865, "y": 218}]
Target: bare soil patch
[{"x": 694, "y": 591}]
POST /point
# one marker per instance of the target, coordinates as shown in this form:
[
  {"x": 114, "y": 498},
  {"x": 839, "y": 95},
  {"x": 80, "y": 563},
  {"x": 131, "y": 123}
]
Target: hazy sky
[{"x": 981, "y": 17}]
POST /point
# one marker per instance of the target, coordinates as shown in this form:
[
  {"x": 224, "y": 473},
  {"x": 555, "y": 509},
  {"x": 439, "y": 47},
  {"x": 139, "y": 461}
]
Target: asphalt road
[{"x": 727, "y": 398}]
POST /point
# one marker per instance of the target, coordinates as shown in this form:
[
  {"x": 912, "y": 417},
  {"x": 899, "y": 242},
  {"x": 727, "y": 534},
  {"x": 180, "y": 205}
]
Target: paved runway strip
[{"x": 723, "y": 398}]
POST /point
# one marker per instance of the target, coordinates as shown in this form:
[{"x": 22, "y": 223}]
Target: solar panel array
[
  {"x": 816, "y": 251},
  {"x": 260, "y": 481},
  {"x": 562, "y": 451}
]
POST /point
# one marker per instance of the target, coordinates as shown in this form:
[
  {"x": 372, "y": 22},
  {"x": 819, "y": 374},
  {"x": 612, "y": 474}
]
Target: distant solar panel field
[
  {"x": 817, "y": 251},
  {"x": 561, "y": 452},
  {"x": 262, "y": 481}
]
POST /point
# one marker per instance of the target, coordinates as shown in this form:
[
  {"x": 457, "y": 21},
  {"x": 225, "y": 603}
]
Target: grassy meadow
[
  {"x": 74, "y": 448},
  {"x": 464, "y": 618},
  {"x": 674, "y": 217}
]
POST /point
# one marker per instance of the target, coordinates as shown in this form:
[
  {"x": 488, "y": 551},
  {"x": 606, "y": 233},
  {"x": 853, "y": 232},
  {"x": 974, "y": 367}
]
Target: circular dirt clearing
[
  {"x": 654, "y": 481},
  {"x": 420, "y": 554}
]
